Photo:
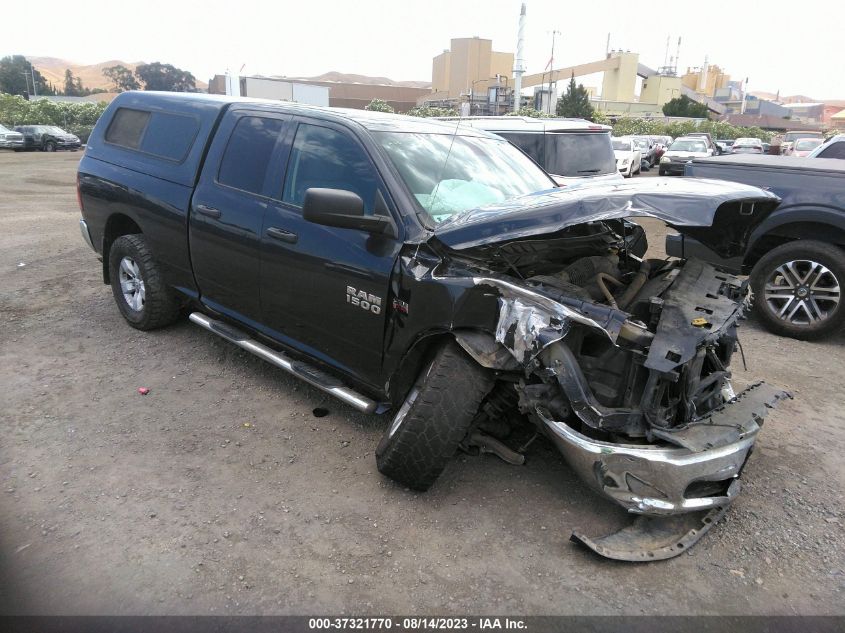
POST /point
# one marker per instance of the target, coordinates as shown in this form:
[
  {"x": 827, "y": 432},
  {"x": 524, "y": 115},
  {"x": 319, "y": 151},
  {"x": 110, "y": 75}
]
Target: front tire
[
  {"x": 797, "y": 289},
  {"x": 661, "y": 172},
  {"x": 49, "y": 146},
  {"x": 138, "y": 286},
  {"x": 434, "y": 418}
]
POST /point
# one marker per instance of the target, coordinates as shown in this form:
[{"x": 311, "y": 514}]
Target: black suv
[{"x": 47, "y": 138}]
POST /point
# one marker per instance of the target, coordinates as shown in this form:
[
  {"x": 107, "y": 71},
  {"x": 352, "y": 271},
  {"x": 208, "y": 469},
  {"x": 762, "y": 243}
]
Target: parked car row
[
  {"x": 789, "y": 139},
  {"x": 46, "y": 138}
]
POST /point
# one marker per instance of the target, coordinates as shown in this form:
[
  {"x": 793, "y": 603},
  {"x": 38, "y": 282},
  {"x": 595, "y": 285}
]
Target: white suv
[{"x": 572, "y": 151}]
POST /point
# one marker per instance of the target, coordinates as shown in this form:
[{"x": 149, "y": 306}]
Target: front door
[
  {"x": 325, "y": 289},
  {"x": 227, "y": 211}
]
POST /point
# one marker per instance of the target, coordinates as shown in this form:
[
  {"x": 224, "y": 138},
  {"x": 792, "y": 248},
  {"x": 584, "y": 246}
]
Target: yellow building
[
  {"x": 706, "y": 80},
  {"x": 470, "y": 65}
]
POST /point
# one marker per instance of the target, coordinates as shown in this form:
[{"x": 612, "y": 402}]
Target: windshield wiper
[{"x": 588, "y": 171}]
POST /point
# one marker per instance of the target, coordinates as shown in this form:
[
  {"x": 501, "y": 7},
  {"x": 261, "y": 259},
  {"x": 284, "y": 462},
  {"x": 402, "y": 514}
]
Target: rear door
[
  {"x": 227, "y": 211},
  {"x": 325, "y": 289}
]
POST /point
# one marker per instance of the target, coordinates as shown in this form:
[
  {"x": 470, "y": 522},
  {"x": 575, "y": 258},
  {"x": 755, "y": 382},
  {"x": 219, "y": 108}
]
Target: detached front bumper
[{"x": 666, "y": 479}]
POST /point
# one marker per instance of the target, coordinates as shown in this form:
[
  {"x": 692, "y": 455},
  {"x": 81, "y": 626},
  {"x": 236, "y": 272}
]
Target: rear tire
[
  {"x": 434, "y": 418},
  {"x": 49, "y": 146},
  {"x": 797, "y": 289},
  {"x": 142, "y": 297}
]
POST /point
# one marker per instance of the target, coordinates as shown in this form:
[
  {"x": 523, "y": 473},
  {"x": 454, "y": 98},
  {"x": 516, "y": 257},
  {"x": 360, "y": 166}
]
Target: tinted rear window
[
  {"x": 127, "y": 127},
  {"x": 531, "y": 144},
  {"x": 579, "y": 154},
  {"x": 162, "y": 134},
  {"x": 836, "y": 150}
]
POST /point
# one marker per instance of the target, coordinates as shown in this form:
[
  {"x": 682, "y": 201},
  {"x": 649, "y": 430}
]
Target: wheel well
[
  {"x": 790, "y": 232},
  {"x": 412, "y": 364},
  {"x": 116, "y": 226}
]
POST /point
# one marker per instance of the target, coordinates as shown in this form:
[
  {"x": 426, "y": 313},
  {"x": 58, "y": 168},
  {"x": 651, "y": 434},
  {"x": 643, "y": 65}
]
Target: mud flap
[{"x": 650, "y": 538}]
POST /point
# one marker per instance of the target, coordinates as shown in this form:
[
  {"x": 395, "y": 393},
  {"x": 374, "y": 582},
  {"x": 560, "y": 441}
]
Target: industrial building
[
  {"x": 805, "y": 112},
  {"x": 333, "y": 89},
  {"x": 470, "y": 74},
  {"x": 474, "y": 78}
]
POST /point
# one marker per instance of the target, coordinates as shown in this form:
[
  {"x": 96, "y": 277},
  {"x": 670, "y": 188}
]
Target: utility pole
[
  {"x": 519, "y": 65},
  {"x": 26, "y": 79},
  {"x": 552, "y": 68}
]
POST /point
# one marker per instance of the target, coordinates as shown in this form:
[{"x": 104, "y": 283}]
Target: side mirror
[{"x": 343, "y": 209}]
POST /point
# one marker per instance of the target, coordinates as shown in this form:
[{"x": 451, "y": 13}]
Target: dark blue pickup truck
[
  {"x": 795, "y": 257},
  {"x": 436, "y": 272}
]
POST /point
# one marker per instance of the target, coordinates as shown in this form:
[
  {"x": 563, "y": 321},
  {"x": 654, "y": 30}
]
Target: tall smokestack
[
  {"x": 702, "y": 77},
  {"x": 519, "y": 64}
]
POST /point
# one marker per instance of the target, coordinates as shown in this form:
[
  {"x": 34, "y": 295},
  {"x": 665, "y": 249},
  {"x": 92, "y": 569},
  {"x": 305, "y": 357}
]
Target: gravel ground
[{"x": 221, "y": 492}]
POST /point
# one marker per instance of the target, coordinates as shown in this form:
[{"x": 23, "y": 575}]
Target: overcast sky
[{"x": 777, "y": 48}]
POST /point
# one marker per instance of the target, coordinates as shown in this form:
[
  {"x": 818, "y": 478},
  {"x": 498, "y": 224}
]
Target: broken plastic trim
[
  {"x": 649, "y": 538},
  {"x": 531, "y": 314}
]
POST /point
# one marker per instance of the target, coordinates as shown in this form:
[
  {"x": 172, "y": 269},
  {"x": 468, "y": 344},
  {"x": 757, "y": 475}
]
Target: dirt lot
[{"x": 220, "y": 492}]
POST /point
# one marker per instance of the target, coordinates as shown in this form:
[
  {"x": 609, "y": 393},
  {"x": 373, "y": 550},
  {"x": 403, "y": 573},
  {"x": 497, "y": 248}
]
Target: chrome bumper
[
  {"x": 649, "y": 479},
  {"x": 86, "y": 234}
]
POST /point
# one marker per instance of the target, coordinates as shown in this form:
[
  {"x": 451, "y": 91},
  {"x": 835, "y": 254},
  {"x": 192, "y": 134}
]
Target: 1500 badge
[{"x": 363, "y": 300}]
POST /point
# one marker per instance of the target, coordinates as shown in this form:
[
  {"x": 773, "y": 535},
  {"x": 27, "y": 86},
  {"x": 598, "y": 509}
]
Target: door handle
[
  {"x": 209, "y": 211},
  {"x": 282, "y": 235}
]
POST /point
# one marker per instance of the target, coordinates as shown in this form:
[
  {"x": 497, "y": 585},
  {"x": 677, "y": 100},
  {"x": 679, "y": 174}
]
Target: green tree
[
  {"x": 683, "y": 106},
  {"x": 78, "y": 118},
  {"x": 429, "y": 111},
  {"x": 72, "y": 84},
  {"x": 379, "y": 105},
  {"x": 16, "y": 77},
  {"x": 600, "y": 117},
  {"x": 158, "y": 76},
  {"x": 575, "y": 102},
  {"x": 529, "y": 112},
  {"x": 122, "y": 78}
]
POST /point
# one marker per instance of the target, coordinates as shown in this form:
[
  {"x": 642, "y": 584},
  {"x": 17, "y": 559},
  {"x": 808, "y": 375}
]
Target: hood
[
  {"x": 717, "y": 213},
  {"x": 623, "y": 153},
  {"x": 577, "y": 181}
]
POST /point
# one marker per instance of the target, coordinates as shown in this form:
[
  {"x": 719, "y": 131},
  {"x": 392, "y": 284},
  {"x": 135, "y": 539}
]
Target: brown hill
[
  {"x": 364, "y": 79},
  {"x": 53, "y": 70},
  {"x": 771, "y": 96}
]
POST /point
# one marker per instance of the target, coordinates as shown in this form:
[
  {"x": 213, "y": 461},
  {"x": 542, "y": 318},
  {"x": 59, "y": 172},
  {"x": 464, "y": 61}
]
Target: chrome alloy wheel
[
  {"x": 802, "y": 292},
  {"x": 132, "y": 284}
]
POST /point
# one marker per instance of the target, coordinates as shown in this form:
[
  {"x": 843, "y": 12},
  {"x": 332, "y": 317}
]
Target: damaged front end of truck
[{"x": 623, "y": 362}]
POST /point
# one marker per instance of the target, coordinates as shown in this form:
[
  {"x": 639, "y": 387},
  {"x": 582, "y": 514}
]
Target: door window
[
  {"x": 322, "y": 157},
  {"x": 248, "y": 153}
]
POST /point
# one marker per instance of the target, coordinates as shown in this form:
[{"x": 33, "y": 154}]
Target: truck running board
[{"x": 309, "y": 374}]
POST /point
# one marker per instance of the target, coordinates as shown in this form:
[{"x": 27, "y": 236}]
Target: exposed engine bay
[{"x": 624, "y": 363}]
